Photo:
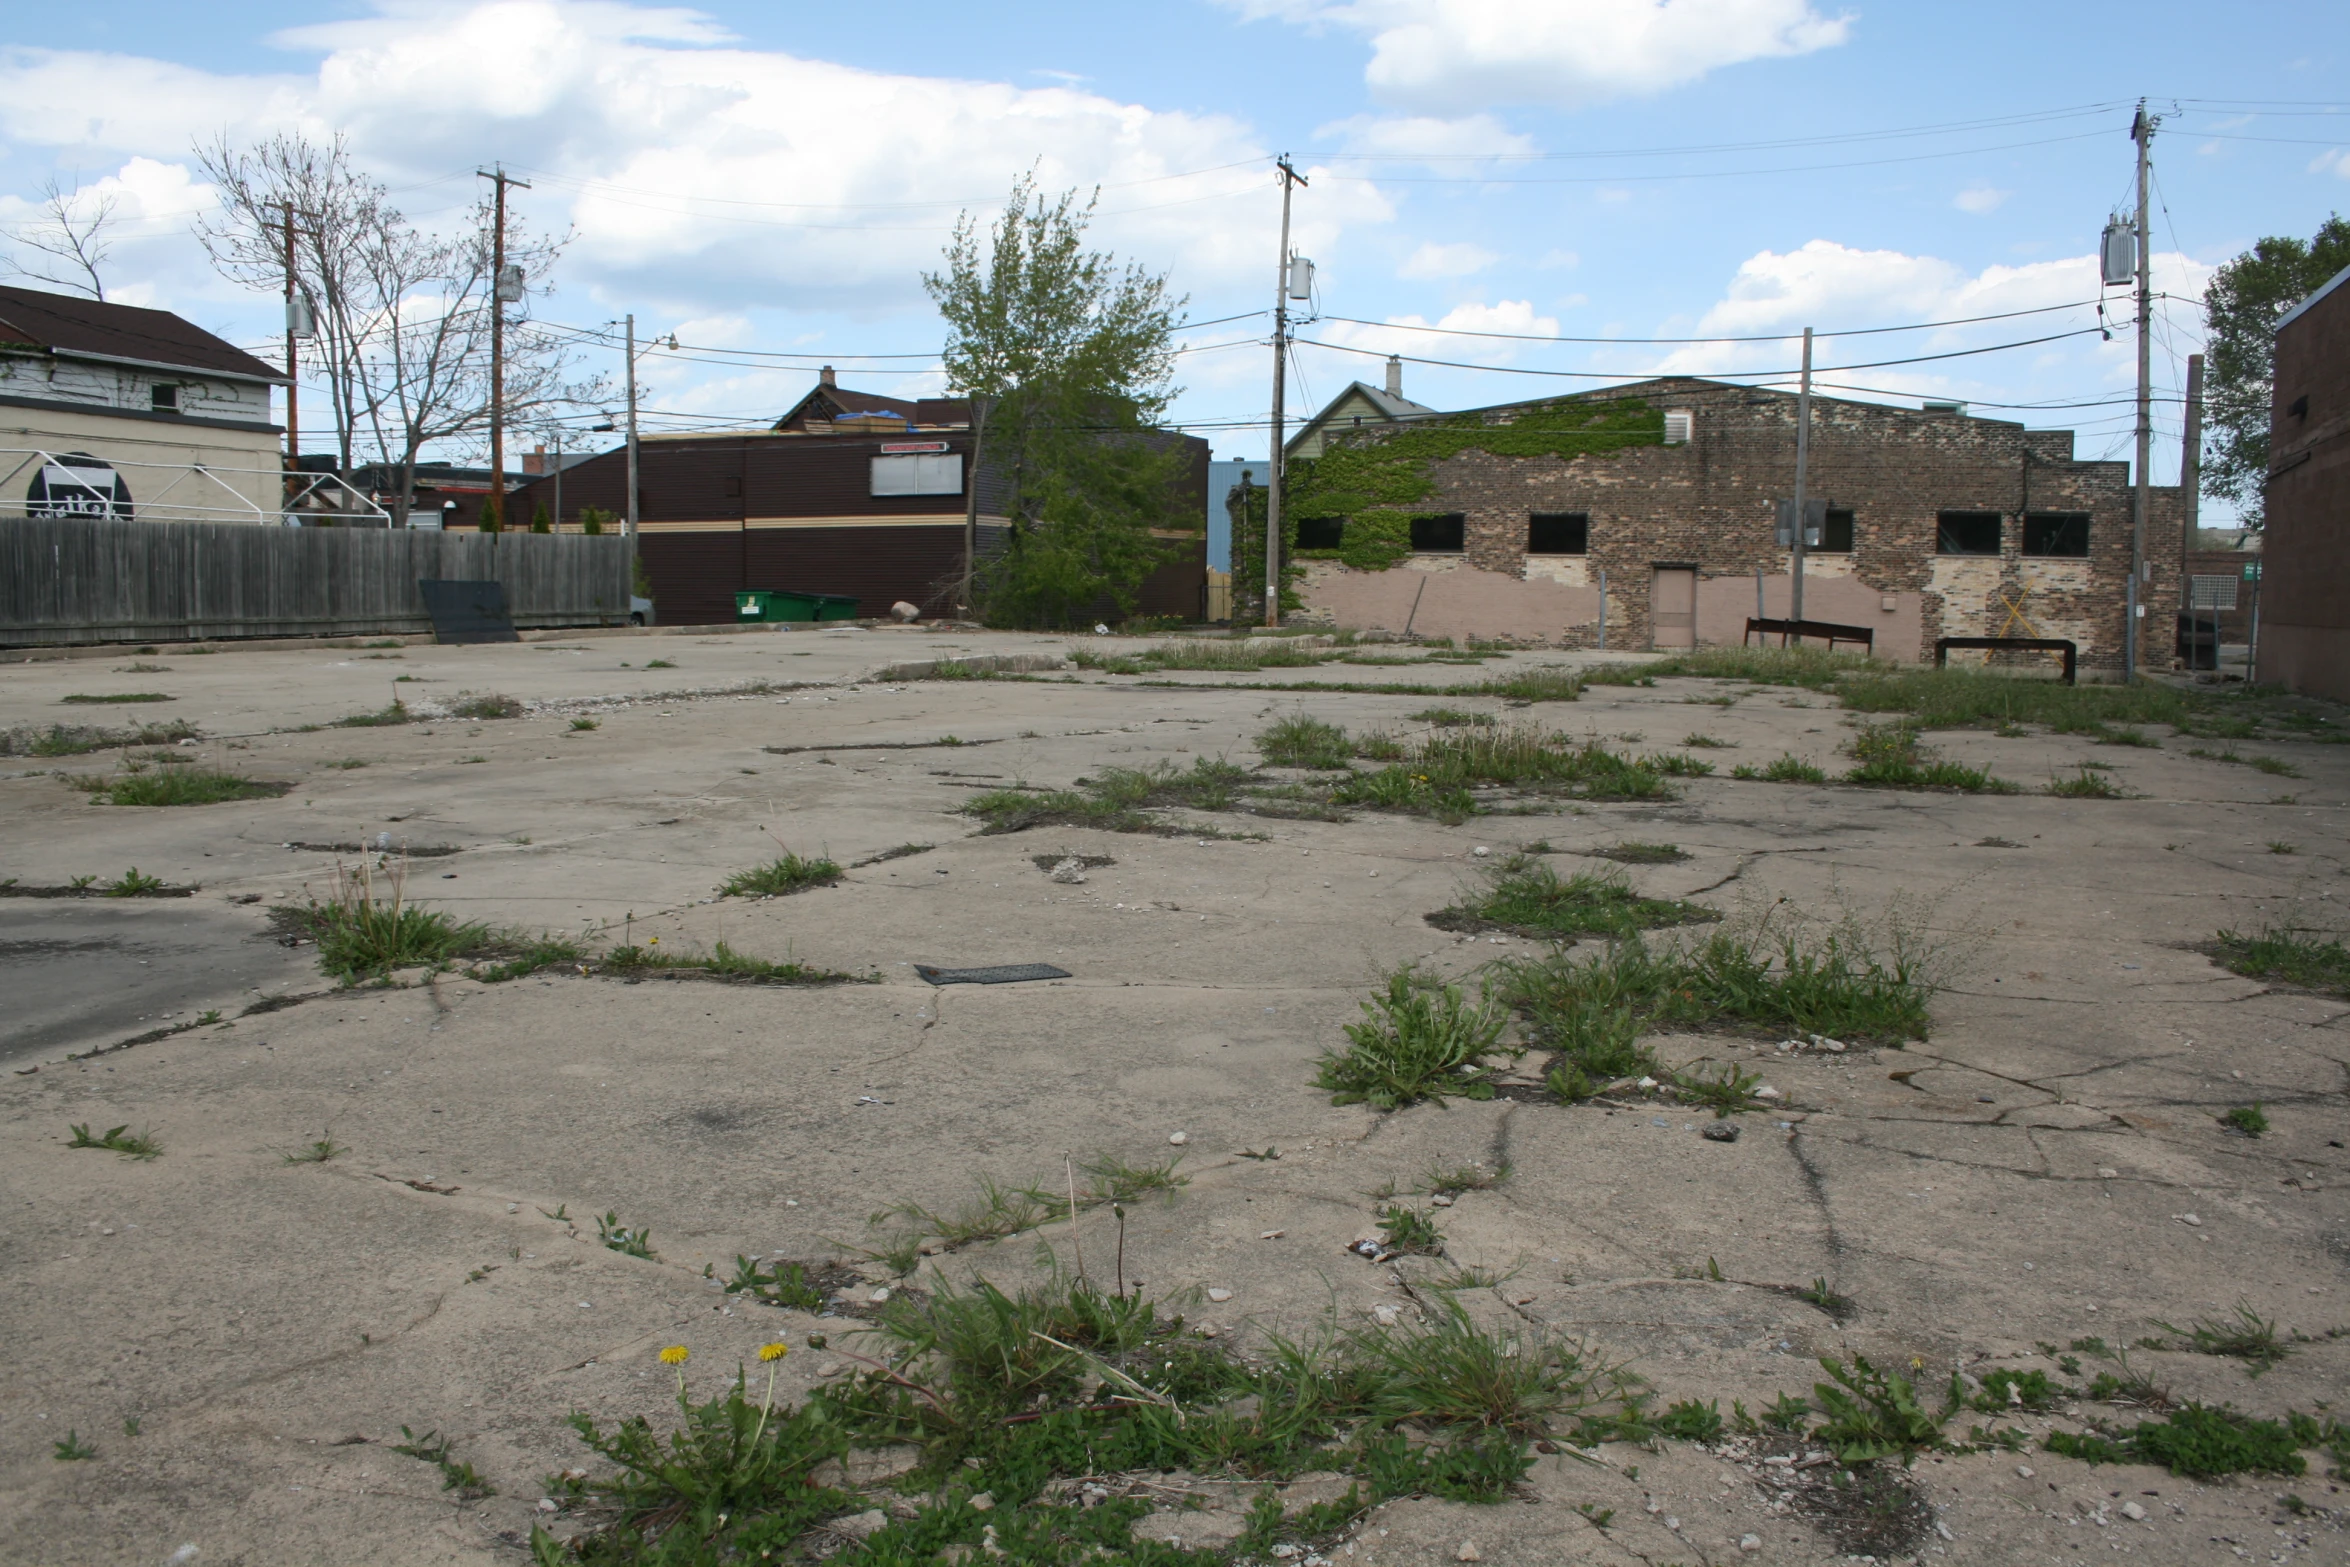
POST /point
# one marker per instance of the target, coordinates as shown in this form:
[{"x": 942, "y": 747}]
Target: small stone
[
  {"x": 2023, "y": 1471},
  {"x": 547, "y": 1504},
  {"x": 879, "y": 1295},
  {"x": 1219, "y": 1296},
  {"x": 1178, "y": 1138},
  {"x": 1943, "y": 1530},
  {"x": 858, "y": 1526},
  {"x": 1209, "y": 1330},
  {"x": 2106, "y": 1172},
  {"x": 2133, "y": 1512},
  {"x": 1440, "y": 1200},
  {"x": 1672, "y": 1523},
  {"x": 1069, "y": 872},
  {"x": 2191, "y": 1221},
  {"x": 1468, "y": 1552},
  {"x": 1480, "y": 851},
  {"x": 983, "y": 1502},
  {"x": 1271, "y": 1235},
  {"x": 1645, "y": 1084},
  {"x": 1750, "y": 1542},
  {"x": 1286, "y": 1552},
  {"x": 1385, "y": 1315},
  {"x": 1722, "y": 1132},
  {"x": 831, "y": 1368},
  {"x": 1768, "y": 1092}
]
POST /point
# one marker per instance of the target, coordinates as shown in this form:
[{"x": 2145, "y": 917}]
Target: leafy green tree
[
  {"x": 1071, "y": 357},
  {"x": 2242, "y": 306}
]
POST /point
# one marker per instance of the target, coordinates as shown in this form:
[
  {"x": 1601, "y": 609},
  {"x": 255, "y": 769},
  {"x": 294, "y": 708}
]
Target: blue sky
[{"x": 769, "y": 181}]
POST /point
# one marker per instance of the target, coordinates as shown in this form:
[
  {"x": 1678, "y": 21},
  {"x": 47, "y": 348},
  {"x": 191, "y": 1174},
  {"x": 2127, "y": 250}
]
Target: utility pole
[
  {"x": 631, "y": 522},
  {"x": 978, "y": 407},
  {"x": 2141, "y": 132},
  {"x": 1274, "y": 463},
  {"x": 1802, "y": 463},
  {"x": 499, "y": 297},
  {"x": 2191, "y": 470}
]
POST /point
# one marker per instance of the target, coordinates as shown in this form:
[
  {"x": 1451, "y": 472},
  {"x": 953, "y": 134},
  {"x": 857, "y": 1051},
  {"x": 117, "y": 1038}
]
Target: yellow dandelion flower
[
  {"x": 675, "y": 1355},
  {"x": 775, "y": 1351},
  {"x": 656, "y": 941}
]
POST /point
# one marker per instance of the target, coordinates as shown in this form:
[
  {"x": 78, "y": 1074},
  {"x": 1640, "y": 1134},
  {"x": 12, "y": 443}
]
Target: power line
[
  {"x": 1594, "y": 375},
  {"x": 1706, "y": 174},
  {"x": 1773, "y": 337}
]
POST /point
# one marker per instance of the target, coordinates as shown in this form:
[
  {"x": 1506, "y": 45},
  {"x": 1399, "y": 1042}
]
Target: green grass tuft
[
  {"x": 1528, "y": 897},
  {"x": 1417, "y": 1039},
  {"x": 139, "y": 1146},
  {"x": 781, "y": 877},
  {"x": 181, "y": 786},
  {"x": 2308, "y": 961},
  {"x": 1299, "y": 741},
  {"x": 120, "y": 696}
]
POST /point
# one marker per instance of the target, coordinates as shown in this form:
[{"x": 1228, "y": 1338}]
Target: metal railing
[{"x": 35, "y": 483}]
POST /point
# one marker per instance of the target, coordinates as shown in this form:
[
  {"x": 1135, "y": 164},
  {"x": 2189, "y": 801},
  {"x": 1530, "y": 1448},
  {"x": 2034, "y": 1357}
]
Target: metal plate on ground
[
  {"x": 1000, "y": 974},
  {"x": 465, "y": 611}
]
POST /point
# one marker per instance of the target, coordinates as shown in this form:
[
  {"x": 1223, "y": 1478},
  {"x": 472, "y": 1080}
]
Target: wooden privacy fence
[{"x": 75, "y": 580}]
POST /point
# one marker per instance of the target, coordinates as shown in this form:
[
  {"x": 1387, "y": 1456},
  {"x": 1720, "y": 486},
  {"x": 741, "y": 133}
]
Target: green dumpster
[{"x": 763, "y": 605}]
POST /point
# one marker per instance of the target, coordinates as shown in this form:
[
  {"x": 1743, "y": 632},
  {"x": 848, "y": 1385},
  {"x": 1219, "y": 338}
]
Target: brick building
[
  {"x": 2305, "y": 608},
  {"x": 1664, "y": 493},
  {"x": 849, "y": 492}
]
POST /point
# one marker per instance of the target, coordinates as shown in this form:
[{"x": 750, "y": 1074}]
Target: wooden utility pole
[
  {"x": 496, "y": 504},
  {"x": 631, "y": 524},
  {"x": 1274, "y": 463},
  {"x": 2141, "y": 132},
  {"x": 2191, "y": 470},
  {"x": 1802, "y": 465},
  {"x": 977, "y": 407}
]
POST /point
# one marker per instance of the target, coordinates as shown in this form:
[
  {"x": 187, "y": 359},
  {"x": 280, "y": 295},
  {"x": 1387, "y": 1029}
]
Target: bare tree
[
  {"x": 71, "y": 233},
  {"x": 403, "y": 314}
]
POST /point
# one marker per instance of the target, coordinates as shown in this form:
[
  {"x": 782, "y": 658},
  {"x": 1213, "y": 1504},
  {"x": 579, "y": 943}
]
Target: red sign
[{"x": 913, "y": 446}]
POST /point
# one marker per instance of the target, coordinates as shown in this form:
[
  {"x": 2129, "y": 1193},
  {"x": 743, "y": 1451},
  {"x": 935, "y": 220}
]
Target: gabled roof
[
  {"x": 98, "y": 329},
  {"x": 1391, "y": 405},
  {"x": 839, "y": 402}
]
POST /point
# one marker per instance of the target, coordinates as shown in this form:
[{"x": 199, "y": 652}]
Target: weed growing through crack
[
  {"x": 2085, "y": 784},
  {"x": 456, "y": 1475},
  {"x": 1418, "y": 1039},
  {"x": 2199, "y": 1441},
  {"x": 660, "y": 663},
  {"x": 1871, "y": 1414},
  {"x": 1786, "y": 769},
  {"x": 366, "y": 925},
  {"x": 1116, "y": 801},
  {"x": 1690, "y": 1421},
  {"x": 1726, "y": 1094},
  {"x": 2279, "y": 846},
  {"x": 1410, "y": 1230},
  {"x": 997, "y": 1210},
  {"x": 785, "y": 1284},
  {"x": 132, "y": 884},
  {"x": 1440, "y": 1181},
  {"x": 1299, "y": 741},
  {"x": 1891, "y": 756},
  {"x": 119, "y": 696},
  {"x": 1704, "y": 742},
  {"x": 2245, "y": 1336},
  {"x": 1762, "y": 970},
  {"x": 618, "y": 1237},
  {"x": 780, "y": 877},
  {"x": 721, "y": 962},
  {"x": 1435, "y": 775},
  {"x": 2296, "y": 957},
  {"x": 486, "y": 704},
  {"x": 140, "y": 1146},
  {"x": 382, "y": 717},
  {"x": 1451, "y": 718},
  {"x": 179, "y": 786},
  {"x": 71, "y": 1449},
  {"x": 1526, "y": 896},
  {"x": 2251, "y": 1120},
  {"x": 318, "y": 1152},
  {"x": 582, "y": 725}
]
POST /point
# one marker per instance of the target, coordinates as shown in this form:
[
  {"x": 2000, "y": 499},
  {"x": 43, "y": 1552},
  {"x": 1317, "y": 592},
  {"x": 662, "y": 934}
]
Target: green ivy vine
[{"x": 1374, "y": 481}]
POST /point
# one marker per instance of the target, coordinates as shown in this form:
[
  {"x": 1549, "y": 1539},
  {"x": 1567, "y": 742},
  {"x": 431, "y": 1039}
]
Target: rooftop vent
[{"x": 1945, "y": 408}]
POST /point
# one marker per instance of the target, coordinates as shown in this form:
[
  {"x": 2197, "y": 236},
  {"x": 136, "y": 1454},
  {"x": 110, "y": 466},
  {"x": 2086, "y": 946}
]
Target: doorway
[{"x": 1672, "y": 606}]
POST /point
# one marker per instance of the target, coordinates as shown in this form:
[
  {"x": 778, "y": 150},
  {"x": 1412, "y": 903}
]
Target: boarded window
[
  {"x": 929, "y": 473},
  {"x": 1835, "y": 532},
  {"x": 2063, "y": 533},
  {"x": 1967, "y": 533},
  {"x": 1443, "y": 535},
  {"x": 1320, "y": 533},
  {"x": 1558, "y": 533}
]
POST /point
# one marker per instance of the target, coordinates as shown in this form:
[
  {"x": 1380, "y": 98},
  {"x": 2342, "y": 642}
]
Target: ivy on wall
[{"x": 1374, "y": 481}]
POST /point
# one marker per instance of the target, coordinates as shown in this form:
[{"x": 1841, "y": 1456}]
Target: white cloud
[
  {"x": 1432, "y": 260},
  {"x": 1980, "y": 200},
  {"x": 1560, "y": 258},
  {"x": 696, "y": 173},
  {"x": 2336, "y": 161},
  {"x": 1450, "y": 56},
  {"x": 1412, "y": 335}
]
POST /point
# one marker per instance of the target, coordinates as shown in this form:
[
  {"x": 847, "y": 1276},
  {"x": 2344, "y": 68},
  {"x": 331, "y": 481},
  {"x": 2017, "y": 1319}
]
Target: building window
[
  {"x": 2059, "y": 533},
  {"x": 1445, "y": 535},
  {"x": 1558, "y": 533},
  {"x": 1320, "y": 533},
  {"x": 1680, "y": 425},
  {"x": 938, "y": 473},
  {"x": 166, "y": 398},
  {"x": 1967, "y": 533},
  {"x": 1835, "y": 532}
]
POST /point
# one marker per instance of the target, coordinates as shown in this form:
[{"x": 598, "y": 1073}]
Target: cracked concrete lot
[{"x": 2048, "y": 1166}]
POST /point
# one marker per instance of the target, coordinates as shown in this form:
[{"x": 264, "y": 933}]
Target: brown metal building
[
  {"x": 2305, "y": 604},
  {"x": 850, "y": 492}
]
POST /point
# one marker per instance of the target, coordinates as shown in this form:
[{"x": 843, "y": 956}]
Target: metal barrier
[
  {"x": 1825, "y": 630},
  {"x": 2064, "y": 645}
]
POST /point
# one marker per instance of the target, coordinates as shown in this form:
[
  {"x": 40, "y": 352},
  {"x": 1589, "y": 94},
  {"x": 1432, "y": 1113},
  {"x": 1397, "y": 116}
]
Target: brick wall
[{"x": 1709, "y": 503}]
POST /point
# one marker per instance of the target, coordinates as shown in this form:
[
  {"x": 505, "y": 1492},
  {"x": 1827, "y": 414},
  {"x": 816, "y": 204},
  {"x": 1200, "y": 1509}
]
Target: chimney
[
  {"x": 535, "y": 461},
  {"x": 1395, "y": 375},
  {"x": 825, "y": 377}
]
